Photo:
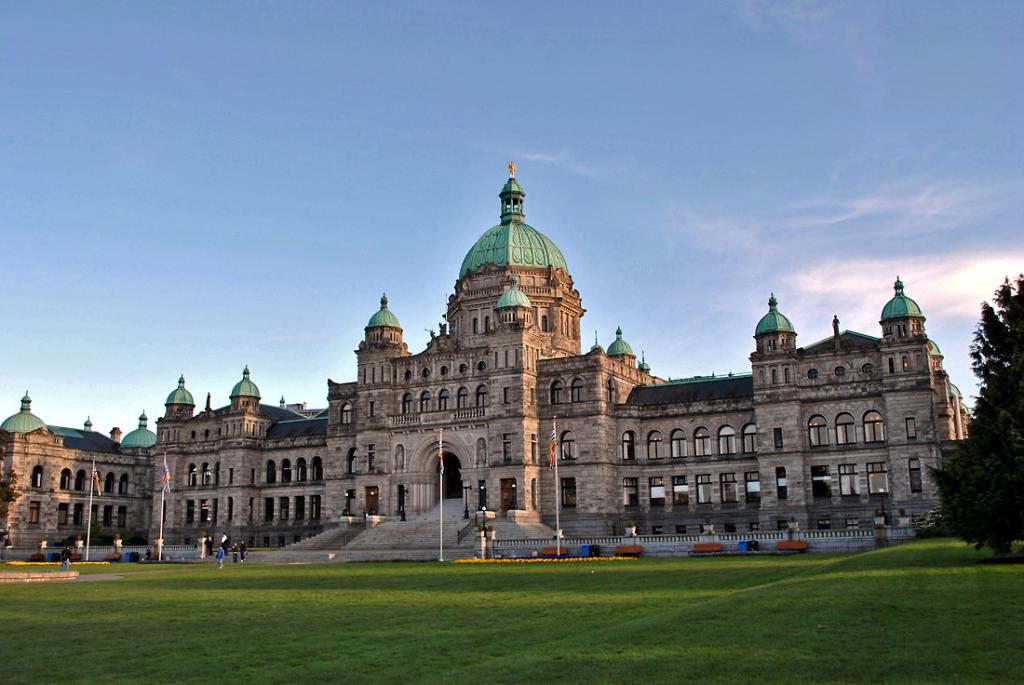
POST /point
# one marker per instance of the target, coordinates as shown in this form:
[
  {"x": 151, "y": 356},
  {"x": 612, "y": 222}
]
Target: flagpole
[
  {"x": 558, "y": 494},
  {"x": 163, "y": 489},
  {"x": 88, "y": 524},
  {"x": 440, "y": 491}
]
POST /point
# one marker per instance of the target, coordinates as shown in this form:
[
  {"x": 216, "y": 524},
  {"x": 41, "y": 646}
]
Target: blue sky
[{"x": 189, "y": 188}]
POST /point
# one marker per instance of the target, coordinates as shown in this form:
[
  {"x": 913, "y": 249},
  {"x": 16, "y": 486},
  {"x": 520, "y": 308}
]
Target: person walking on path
[
  {"x": 234, "y": 554},
  {"x": 209, "y": 546},
  {"x": 242, "y": 550},
  {"x": 220, "y": 557},
  {"x": 65, "y": 559}
]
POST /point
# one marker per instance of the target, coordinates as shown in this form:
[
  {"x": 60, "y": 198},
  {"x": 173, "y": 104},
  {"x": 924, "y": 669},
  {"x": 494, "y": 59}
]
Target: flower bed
[
  {"x": 55, "y": 563},
  {"x": 540, "y": 560}
]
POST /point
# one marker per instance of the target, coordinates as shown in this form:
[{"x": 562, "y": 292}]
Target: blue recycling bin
[
  {"x": 53, "y": 556},
  {"x": 584, "y": 550},
  {"x": 743, "y": 545}
]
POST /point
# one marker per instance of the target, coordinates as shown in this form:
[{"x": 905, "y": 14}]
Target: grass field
[{"x": 921, "y": 612}]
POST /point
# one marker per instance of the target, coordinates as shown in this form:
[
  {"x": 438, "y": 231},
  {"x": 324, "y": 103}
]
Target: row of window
[
  {"x": 79, "y": 480},
  {"x": 443, "y": 399},
  {"x": 702, "y": 443},
  {"x": 205, "y": 511},
  {"x": 76, "y": 514},
  {"x": 315, "y": 472},
  {"x": 846, "y": 434}
]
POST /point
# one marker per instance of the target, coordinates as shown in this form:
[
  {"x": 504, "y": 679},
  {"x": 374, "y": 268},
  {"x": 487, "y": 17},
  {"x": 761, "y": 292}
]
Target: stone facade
[{"x": 827, "y": 435}]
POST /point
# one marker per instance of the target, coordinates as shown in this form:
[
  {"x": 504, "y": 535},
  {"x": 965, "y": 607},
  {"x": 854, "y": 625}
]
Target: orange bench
[
  {"x": 629, "y": 551},
  {"x": 113, "y": 556},
  {"x": 792, "y": 545},
  {"x": 553, "y": 552},
  {"x": 707, "y": 548}
]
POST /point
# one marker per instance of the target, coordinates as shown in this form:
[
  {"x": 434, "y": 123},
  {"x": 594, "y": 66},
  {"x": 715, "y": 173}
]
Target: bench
[
  {"x": 75, "y": 556},
  {"x": 37, "y": 557},
  {"x": 113, "y": 556},
  {"x": 553, "y": 552},
  {"x": 792, "y": 546},
  {"x": 629, "y": 551},
  {"x": 707, "y": 548}
]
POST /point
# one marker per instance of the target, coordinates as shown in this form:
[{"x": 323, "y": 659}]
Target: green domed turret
[
  {"x": 774, "y": 321},
  {"x": 180, "y": 395},
  {"x": 513, "y": 297},
  {"x": 24, "y": 421},
  {"x": 900, "y": 306},
  {"x": 141, "y": 436},
  {"x": 513, "y": 242},
  {"x": 619, "y": 347},
  {"x": 643, "y": 365},
  {"x": 597, "y": 345},
  {"x": 383, "y": 317},
  {"x": 245, "y": 387},
  {"x": 87, "y": 426},
  {"x": 933, "y": 348}
]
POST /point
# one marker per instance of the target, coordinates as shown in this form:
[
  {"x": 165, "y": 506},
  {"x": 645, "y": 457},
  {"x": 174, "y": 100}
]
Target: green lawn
[{"x": 921, "y": 612}]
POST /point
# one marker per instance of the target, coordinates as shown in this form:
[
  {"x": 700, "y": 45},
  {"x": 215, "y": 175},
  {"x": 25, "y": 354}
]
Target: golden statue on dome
[{"x": 511, "y": 169}]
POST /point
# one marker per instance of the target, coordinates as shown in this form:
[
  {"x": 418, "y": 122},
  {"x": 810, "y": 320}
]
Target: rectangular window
[
  {"x": 781, "y": 484},
  {"x": 216, "y": 502},
  {"x": 62, "y": 514},
  {"x": 680, "y": 530},
  {"x": 108, "y": 515},
  {"x": 730, "y": 528},
  {"x": 704, "y": 488},
  {"x": 753, "y": 486},
  {"x": 533, "y": 448},
  {"x": 370, "y": 454},
  {"x": 370, "y": 407},
  {"x": 848, "y": 483},
  {"x": 824, "y": 524},
  {"x": 911, "y": 428},
  {"x": 656, "y": 485},
  {"x": 190, "y": 511},
  {"x": 122, "y": 517},
  {"x": 204, "y": 510},
  {"x": 878, "y": 479},
  {"x": 506, "y": 448},
  {"x": 300, "y": 507},
  {"x": 727, "y": 485},
  {"x": 231, "y": 475},
  {"x": 629, "y": 492},
  {"x": 252, "y": 475},
  {"x": 33, "y": 512},
  {"x": 314, "y": 507},
  {"x": 569, "y": 493},
  {"x": 755, "y": 526},
  {"x": 506, "y": 394},
  {"x": 77, "y": 514},
  {"x": 284, "y": 509},
  {"x": 231, "y": 508},
  {"x": 680, "y": 490},
  {"x": 852, "y": 524},
  {"x": 657, "y": 530},
  {"x": 777, "y": 435},
  {"x": 268, "y": 509},
  {"x": 914, "y": 468},
  {"x": 821, "y": 481}
]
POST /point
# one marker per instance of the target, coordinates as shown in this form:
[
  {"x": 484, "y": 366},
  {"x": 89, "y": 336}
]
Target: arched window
[
  {"x": 892, "y": 366},
  {"x": 760, "y": 376},
  {"x": 906, "y": 363},
  {"x": 193, "y": 475},
  {"x": 399, "y": 458},
  {"x": 207, "y": 474},
  {"x": 576, "y": 390},
  {"x": 37, "y": 476},
  {"x": 300, "y": 470},
  {"x": 629, "y": 446},
  {"x": 216, "y": 473},
  {"x": 874, "y": 429},
  {"x": 108, "y": 483},
  {"x": 424, "y": 401},
  {"x": 544, "y": 322},
  {"x": 80, "y": 480},
  {"x": 122, "y": 485},
  {"x": 726, "y": 440},
  {"x": 845, "y": 434},
  {"x": 568, "y": 443},
  {"x": 556, "y": 392},
  {"x": 350, "y": 461},
  {"x": 442, "y": 399},
  {"x": 817, "y": 431},
  {"x": 271, "y": 471},
  {"x": 654, "y": 439},
  {"x": 677, "y": 440},
  {"x": 487, "y": 324},
  {"x": 481, "y": 396},
  {"x": 317, "y": 469},
  {"x": 702, "y": 442},
  {"x": 407, "y": 403},
  {"x": 286, "y": 471},
  {"x": 462, "y": 398},
  {"x": 481, "y": 452},
  {"x": 346, "y": 413},
  {"x": 750, "y": 438},
  {"x": 613, "y": 392},
  {"x": 65, "y": 479}
]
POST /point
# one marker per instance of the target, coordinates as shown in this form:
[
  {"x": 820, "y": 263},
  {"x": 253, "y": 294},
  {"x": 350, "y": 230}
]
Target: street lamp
[{"x": 465, "y": 498}]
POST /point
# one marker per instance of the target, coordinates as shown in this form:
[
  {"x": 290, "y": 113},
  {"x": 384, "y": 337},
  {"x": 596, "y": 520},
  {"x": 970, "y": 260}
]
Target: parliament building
[{"x": 830, "y": 434}]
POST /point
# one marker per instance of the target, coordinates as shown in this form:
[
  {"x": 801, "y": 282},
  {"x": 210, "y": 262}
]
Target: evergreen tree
[
  {"x": 8, "y": 486},
  {"x": 982, "y": 485}
]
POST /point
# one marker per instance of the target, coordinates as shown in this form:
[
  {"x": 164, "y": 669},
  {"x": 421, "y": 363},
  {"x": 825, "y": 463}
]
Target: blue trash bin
[
  {"x": 53, "y": 556},
  {"x": 584, "y": 550},
  {"x": 743, "y": 545}
]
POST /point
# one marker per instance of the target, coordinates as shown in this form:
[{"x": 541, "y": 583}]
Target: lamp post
[{"x": 465, "y": 498}]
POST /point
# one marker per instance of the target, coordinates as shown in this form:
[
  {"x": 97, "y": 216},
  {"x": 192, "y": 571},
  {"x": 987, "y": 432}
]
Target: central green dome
[
  {"x": 24, "y": 421},
  {"x": 245, "y": 387},
  {"x": 383, "y": 316},
  {"x": 180, "y": 395},
  {"x": 619, "y": 347},
  {"x": 774, "y": 321},
  {"x": 141, "y": 436},
  {"x": 513, "y": 242},
  {"x": 900, "y": 306}
]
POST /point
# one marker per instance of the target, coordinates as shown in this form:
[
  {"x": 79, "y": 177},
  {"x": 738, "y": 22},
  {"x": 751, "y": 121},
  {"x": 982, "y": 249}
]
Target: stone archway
[{"x": 452, "y": 476}]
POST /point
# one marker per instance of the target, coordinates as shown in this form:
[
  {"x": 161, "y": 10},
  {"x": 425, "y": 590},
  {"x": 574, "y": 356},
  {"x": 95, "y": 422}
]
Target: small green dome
[
  {"x": 24, "y": 421},
  {"x": 383, "y": 318},
  {"x": 954, "y": 391},
  {"x": 245, "y": 387},
  {"x": 620, "y": 347},
  {"x": 774, "y": 321},
  {"x": 596, "y": 346},
  {"x": 643, "y": 365},
  {"x": 180, "y": 395},
  {"x": 900, "y": 306},
  {"x": 513, "y": 297},
  {"x": 933, "y": 347},
  {"x": 88, "y": 424},
  {"x": 141, "y": 436}
]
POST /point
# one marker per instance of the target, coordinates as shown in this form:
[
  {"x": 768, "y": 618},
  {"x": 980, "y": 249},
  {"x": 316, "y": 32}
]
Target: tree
[
  {"x": 982, "y": 486},
  {"x": 8, "y": 485}
]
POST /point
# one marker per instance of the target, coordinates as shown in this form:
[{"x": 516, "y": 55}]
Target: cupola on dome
[
  {"x": 900, "y": 306},
  {"x": 245, "y": 387},
  {"x": 619, "y": 347},
  {"x": 774, "y": 321},
  {"x": 513, "y": 297},
  {"x": 24, "y": 421},
  {"x": 180, "y": 395},
  {"x": 513, "y": 242},
  {"x": 141, "y": 436},
  {"x": 383, "y": 318}
]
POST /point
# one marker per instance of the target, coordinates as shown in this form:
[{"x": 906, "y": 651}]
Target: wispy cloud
[{"x": 562, "y": 158}]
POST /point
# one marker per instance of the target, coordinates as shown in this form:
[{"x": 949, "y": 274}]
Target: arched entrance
[{"x": 452, "y": 476}]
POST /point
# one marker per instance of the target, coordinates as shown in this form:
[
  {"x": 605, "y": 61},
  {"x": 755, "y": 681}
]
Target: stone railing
[
  {"x": 405, "y": 419},
  {"x": 469, "y": 413}
]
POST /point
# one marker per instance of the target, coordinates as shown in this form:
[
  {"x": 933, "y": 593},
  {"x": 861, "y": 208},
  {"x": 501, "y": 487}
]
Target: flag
[
  {"x": 440, "y": 451},
  {"x": 166, "y": 477},
  {"x": 551, "y": 447},
  {"x": 96, "y": 480}
]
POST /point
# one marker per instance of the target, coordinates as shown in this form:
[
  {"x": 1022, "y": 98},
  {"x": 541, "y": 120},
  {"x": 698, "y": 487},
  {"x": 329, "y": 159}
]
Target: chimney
[{"x": 115, "y": 435}]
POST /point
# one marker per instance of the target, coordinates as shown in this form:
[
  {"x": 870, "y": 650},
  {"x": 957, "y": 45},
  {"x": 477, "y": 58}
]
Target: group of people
[{"x": 238, "y": 550}]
